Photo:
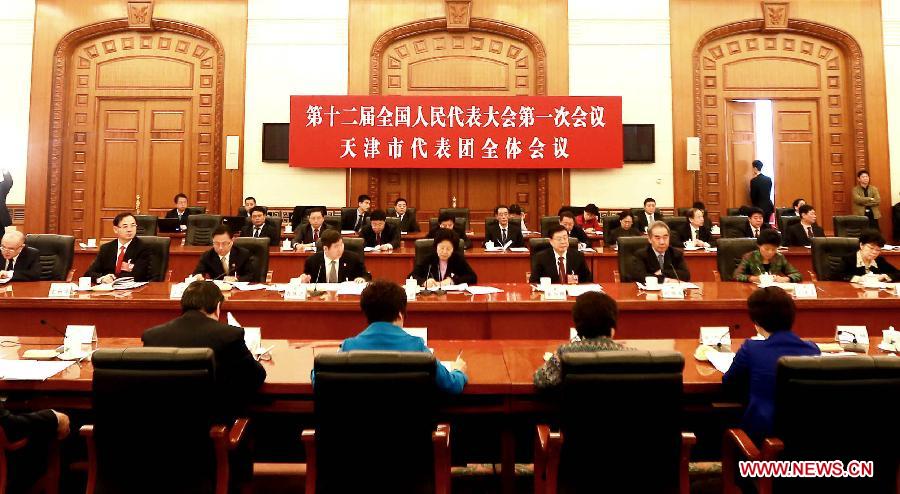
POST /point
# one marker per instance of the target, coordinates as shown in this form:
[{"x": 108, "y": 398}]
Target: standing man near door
[
  {"x": 5, "y": 186},
  {"x": 761, "y": 191},
  {"x": 866, "y": 199}
]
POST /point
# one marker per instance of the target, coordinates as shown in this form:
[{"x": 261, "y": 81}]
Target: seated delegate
[
  {"x": 559, "y": 261},
  {"x": 766, "y": 260},
  {"x": 444, "y": 265},
  {"x": 868, "y": 260}
]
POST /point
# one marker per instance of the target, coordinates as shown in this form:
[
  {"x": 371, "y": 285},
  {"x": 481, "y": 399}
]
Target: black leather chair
[
  {"x": 827, "y": 253},
  {"x": 259, "y": 256},
  {"x": 728, "y": 255},
  {"x": 576, "y": 210},
  {"x": 733, "y": 226},
  {"x": 274, "y": 222},
  {"x": 734, "y": 211},
  {"x": 242, "y": 211},
  {"x": 155, "y": 426},
  {"x": 424, "y": 247},
  {"x": 393, "y": 211},
  {"x": 637, "y": 212},
  {"x": 849, "y": 225},
  {"x": 458, "y": 213},
  {"x": 682, "y": 211},
  {"x": 300, "y": 214},
  {"x": 546, "y": 223},
  {"x": 675, "y": 223},
  {"x": 146, "y": 225},
  {"x": 609, "y": 223},
  {"x": 196, "y": 209},
  {"x": 159, "y": 261},
  {"x": 394, "y": 222},
  {"x": 376, "y": 425},
  {"x": 786, "y": 222},
  {"x": 459, "y": 221},
  {"x": 620, "y": 426},
  {"x": 200, "y": 228},
  {"x": 781, "y": 213},
  {"x": 812, "y": 394},
  {"x": 333, "y": 222},
  {"x": 627, "y": 248},
  {"x": 57, "y": 254},
  {"x": 488, "y": 221}
]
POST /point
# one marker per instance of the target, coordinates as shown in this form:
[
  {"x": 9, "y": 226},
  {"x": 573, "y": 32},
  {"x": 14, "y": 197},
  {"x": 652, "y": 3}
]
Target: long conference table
[
  {"x": 517, "y": 312},
  {"x": 493, "y": 419}
]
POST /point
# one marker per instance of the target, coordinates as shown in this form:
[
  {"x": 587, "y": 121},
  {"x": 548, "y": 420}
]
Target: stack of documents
[{"x": 31, "y": 370}]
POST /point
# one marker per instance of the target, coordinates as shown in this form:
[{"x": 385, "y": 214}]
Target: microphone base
[{"x": 315, "y": 293}]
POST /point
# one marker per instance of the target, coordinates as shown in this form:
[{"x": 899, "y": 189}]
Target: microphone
[
  {"x": 427, "y": 291},
  {"x": 315, "y": 291},
  {"x": 52, "y": 326}
]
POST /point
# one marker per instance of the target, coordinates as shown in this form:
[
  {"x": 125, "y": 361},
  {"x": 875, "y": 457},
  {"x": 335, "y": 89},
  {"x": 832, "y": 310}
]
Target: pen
[
  {"x": 265, "y": 351},
  {"x": 458, "y": 355}
]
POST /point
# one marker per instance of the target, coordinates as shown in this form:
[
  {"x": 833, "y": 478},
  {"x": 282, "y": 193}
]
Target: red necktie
[
  {"x": 316, "y": 235},
  {"x": 562, "y": 269},
  {"x": 377, "y": 239},
  {"x": 119, "y": 260}
]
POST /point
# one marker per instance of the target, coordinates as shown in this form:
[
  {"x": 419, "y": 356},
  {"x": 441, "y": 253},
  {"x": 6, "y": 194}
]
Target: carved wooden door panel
[
  {"x": 741, "y": 148},
  {"x": 797, "y": 168}
]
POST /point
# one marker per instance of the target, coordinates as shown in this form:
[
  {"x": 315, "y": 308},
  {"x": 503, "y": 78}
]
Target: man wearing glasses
[{"x": 20, "y": 262}]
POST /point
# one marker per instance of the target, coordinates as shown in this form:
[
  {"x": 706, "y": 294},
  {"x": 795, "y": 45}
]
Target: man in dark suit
[
  {"x": 504, "y": 231},
  {"x": 127, "y": 256},
  {"x": 380, "y": 234},
  {"x": 756, "y": 223},
  {"x": 800, "y": 234},
  {"x": 310, "y": 232},
  {"x": 238, "y": 374},
  {"x": 761, "y": 191},
  {"x": 408, "y": 221},
  {"x": 25, "y": 466},
  {"x": 180, "y": 210},
  {"x": 249, "y": 204},
  {"x": 19, "y": 262},
  {"x": 659, "y": 259},
  {"x": 333, "y": 264},
  {"x": 752, "y": 374},
  {"x": 649, "y": 216},
  {"x": 559, "y": 261},
  {"x": 258, "y": 228},
  {"x": 356, "y": 219},
  {"x": 695, "y": 230},
  {"x": 567, "y": 219},
  {"x": 225, "y": 261},
  {"x": 447, "y": 220},
  {"x": 5, "y": 186}
]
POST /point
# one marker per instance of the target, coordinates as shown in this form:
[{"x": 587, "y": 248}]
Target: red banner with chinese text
[{"x": 456, "y": 132}]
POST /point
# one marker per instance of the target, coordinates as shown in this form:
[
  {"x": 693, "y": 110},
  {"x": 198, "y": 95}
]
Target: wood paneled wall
[
  {"x": 221, "y": 23},
  {"x": 846, "y": 24}
]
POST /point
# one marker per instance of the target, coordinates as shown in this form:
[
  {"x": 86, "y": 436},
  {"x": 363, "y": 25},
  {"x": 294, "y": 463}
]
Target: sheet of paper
[
  {"x": 232, "y": 321},
  {"x": 368, "y": 249},
  {"x": 576, "y": 290},
  {"x": 456, "y": 288},
  {"x": 277, "y": 287},
  {"x": 686, "y": 285},
  {"x": 31, "y": 370},
  {"x": 4, "y": 281},
  {"x": 518, "y": 249},
  {"x": 351, "y": 288},
  {"x": 348, "y": 232},
  {"x": 720, "y": 360},
  {"x": 448, "y": 364},
  {"x": 483, "y": 290},
  {"x": 245, "y": 286}
]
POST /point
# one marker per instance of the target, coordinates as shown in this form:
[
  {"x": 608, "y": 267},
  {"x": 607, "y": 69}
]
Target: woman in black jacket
[
  {"x": 444, "y": 265},
  {"x": 868, "y": 260}
]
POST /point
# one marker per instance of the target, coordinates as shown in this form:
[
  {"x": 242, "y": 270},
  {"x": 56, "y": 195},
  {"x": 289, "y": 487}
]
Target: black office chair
[
  {"x": 674, "y": 223},
  {"x": 637, "y": 445},
  {"x": 300, "y": 214},
  {"x": 458, "y": 213},
  {"x": 200, "y": 228},
  {"x": 242, "y": 211},
  {"x": 729, "y": 253},
  {"x": 334, "y": 222},
  {"x": 786, "y": 222},
  {"x": 394, "y": 222},
  {"x": 736, "y": 211},
  {"x": 159, "y": 261},
  {"x": 575, "y": 210},
  {"x": 459, "y": 222},
  {"x": 397, "y": 445},
  {"x": 57, "y": 253},
  {"x": 393, "y": 211},
  {"x": 812, "y": 394},
  {"x": 196, "y": 209},
  {"x": 635, "y": 212},
  {"x": 609, "y": 223},
  {"x": 155, "y": 430},
  {"x": 827, "y": 253},
  {"x": 146, "y": 225},
  {"x": 424, "y": 246},
  {"x": 274, "y": 222},
  {"x": 488, "y": 221},
  {"x": 781, "y": 213},
  {"x": 849, "y": 225},
  {"x": 682, "y": 211},
  {"x": 259, "y": 257},
  {"x": 546, "y": 223},
  {"x": 627, "y": 248},
  {"x": 733, "y": 226},
  {"x": 354, "y": 244}
]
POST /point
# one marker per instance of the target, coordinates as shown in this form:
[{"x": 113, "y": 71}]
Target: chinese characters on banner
[{"x": 456, "y": 132}]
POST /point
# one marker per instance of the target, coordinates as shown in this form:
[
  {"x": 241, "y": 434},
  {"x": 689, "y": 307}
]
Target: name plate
[
  {"x": 60, "y": 290},
  {"x": 556, "y": 292},
  {"x": 295, "y": 292},
  {"x": 806, "y": 290},
  {"x": 854, "y": 335},
  {"x": 715, "y": 336},
  {"x": 672, "y": 290},
  {"x": 177, "y": 290}
]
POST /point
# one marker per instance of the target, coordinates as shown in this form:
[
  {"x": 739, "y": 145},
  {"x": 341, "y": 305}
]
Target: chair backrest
[
  {"x": 827, "y": 253},
  {"x": 355, "y": 244},
  {"x": 395, "y": 224},
  {"x": 274, "y": 222},
  {"x": 460, "y": 222},
  {"x": 675, "y": 223},
  {"x": 146, "y": 224},
  {"x": 682, "y": 211},
  {"x": 729, "y": 253},
  {"x": 300, "y": 214},
  {"x": 546, "y": 223},
  {"x": 196, "y": 209},
  {"x": 424, "y": 246},
  {"x": 57, "y": 252},
  {"x": 390, "y": 400},
  {"x": 849, "y": 225},
  {"x": 456, "y": 212},
  {"x": 786, "y": 222},
  {"x": 635, "y": 212},
  {"x": 733, "y": 226},
  {"x": 200, "y": 228},
  {"x": 733, "y": 211},
  {"x": 638, "y": 395},
  {"x": 159, "y": 261},
  {"x": 806, "y": 402},
  {"x": 576, "y": 210},
  {"x": 609, "y": 223},
  {"x": 628, "y": 246},
  {"x": 489, "y": 221},
  {"x": 153, "y": 410},
  {"x": 393, "y": 211},
  {"x": 259, "y": 255},
  {"x": 333, "y": 222},
  {"x": 781, "y": 213}
]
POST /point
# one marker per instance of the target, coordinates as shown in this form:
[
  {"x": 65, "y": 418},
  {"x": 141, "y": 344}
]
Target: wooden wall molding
[
  {"x": 854, "y": 78},
  {"x": 58, "y": 105}
]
